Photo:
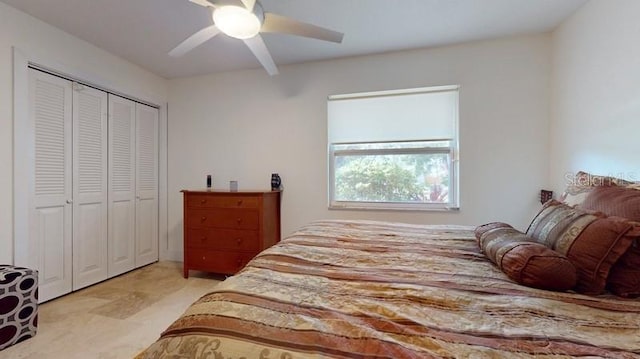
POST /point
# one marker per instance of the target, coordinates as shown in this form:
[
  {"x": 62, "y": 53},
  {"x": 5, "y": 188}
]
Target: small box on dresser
[{"x": 224, "y": 230}]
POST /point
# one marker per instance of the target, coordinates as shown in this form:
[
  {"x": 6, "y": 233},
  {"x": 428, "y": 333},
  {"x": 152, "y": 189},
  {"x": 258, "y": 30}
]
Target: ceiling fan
[{"x": 245, "y": 20}]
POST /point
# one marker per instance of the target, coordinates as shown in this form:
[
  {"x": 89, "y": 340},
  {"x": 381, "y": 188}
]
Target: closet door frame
[
  {"x": 146, "y": 186},
  {"x": 20, "y": 251}
]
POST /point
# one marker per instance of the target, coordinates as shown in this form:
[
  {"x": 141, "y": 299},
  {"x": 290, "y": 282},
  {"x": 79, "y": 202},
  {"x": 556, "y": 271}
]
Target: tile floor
[{"x": 114, "y": 319}]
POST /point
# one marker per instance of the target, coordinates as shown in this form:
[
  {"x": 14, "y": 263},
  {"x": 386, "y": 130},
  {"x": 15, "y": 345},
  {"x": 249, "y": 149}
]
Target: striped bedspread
[{"x": 363, "y": 289}]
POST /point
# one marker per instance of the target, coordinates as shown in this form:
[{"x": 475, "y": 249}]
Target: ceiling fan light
[{"x": 237, "y": 22}]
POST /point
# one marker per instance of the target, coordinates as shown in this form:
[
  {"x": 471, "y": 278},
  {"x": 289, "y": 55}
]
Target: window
[{"x": 394, "y": 149}]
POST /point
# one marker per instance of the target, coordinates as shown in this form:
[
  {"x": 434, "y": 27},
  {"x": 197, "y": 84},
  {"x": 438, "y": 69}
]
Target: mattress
[{"x": 365, "y": 289}]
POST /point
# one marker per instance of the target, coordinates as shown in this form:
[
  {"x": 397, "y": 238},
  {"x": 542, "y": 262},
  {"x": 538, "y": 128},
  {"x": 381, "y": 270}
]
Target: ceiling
[{"x": 143, "y": 31}]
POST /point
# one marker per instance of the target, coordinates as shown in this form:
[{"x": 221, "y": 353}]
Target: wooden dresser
[{"x": 224, "y": 230}]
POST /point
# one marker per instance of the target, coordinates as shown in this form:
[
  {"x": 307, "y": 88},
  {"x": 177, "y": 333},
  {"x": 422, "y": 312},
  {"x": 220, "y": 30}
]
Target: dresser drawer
[
  {"x": 217, "y": 261},
  {"x": 205, "y": 201},
  {"x": 223, "y": 218},
  {"x": 224, "y": 239}
]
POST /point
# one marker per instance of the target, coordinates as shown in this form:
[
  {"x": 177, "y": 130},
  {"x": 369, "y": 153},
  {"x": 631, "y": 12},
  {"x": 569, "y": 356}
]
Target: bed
[{"x": 365, "y": 289}]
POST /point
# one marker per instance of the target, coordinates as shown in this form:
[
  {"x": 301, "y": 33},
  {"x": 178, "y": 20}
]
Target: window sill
[{"x": 393, "y": 208}]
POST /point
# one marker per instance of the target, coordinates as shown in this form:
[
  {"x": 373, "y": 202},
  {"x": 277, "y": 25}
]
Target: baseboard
[{"x": 172, "y": 255}]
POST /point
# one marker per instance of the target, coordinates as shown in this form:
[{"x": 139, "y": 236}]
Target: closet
[{"x": 93, "y": 198}]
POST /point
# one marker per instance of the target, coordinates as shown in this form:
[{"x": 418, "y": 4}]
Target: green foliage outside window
[{"x": 392, "y": 178}]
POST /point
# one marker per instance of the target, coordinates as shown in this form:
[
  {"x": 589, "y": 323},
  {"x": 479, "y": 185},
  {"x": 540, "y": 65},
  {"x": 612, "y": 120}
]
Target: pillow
[
  {"x": 523, "y": 260},
  {"x": 583, "y": 183},
  {"x": 591, "y": 241},
  {"x": 620, "y": 201},
  {"x": 624, "y": 277},
  {"x": 481, "y": 230}
]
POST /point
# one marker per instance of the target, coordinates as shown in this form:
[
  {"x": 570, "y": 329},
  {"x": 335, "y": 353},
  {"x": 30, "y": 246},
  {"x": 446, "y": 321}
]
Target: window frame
[{"x": 451, "y": 150}]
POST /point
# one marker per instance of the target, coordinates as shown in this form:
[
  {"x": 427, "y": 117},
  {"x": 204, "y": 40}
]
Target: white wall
[
  {"x": 37, "y": 40},
  {"x": 595, "y": 118},
  {"x": 245, "y": 125}
]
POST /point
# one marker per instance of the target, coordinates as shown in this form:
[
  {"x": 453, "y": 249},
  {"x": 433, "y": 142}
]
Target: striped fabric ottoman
[{"x": 18, "y": 304}]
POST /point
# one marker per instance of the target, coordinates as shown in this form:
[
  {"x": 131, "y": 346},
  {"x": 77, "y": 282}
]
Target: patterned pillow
[
  {"x": 591, "y": 241},
  {"x": 481, "y": 230},
  {"x": 523, "y": 260},
  {"x": 624, "y": 277}
]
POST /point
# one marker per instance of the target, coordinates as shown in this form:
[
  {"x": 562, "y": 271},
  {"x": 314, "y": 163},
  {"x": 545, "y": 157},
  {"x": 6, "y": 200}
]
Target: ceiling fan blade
[
  {"x": 259, "y": 49},
  {"x": 220, "y": 3},
  {"x": 282, "y": 24},
  {"x": 204, "y": 3},
  {"x": 194, "y": 41},
  {"x": 249, "y": 4}
]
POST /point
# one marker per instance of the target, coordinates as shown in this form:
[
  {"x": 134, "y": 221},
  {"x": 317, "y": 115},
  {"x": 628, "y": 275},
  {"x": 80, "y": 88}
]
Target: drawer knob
[
  {"x": 240, "y": 202},
  {"x": 204, "y": 238},
  {"x": 203, "y": 257},
  {"x": 203, "y": 218},
  {"x": 239, "y": 220},
  {"x": 239, "y": 241},
  {"x": 203, "y": 201}
]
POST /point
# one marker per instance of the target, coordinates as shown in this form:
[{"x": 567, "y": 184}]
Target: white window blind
[{"x": 403, "y": 115}]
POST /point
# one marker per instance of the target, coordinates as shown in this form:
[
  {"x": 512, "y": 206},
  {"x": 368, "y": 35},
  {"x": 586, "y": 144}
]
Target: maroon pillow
[
  {"x": 614, "y": 201},
  {"x": 523, "y": 260},
  {"x": 583, "y": 183},
  {"x": 591, "y": 241},
  {"x": 624, "y": 277}
]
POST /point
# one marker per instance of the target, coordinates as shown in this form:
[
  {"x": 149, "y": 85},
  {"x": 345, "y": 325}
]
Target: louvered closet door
[
  {"x": 146, "y": 185},
  {"x": 122, "y": 196},
  {"x": 89, "y": 186},
  {"x": 50, "y": 209}
]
